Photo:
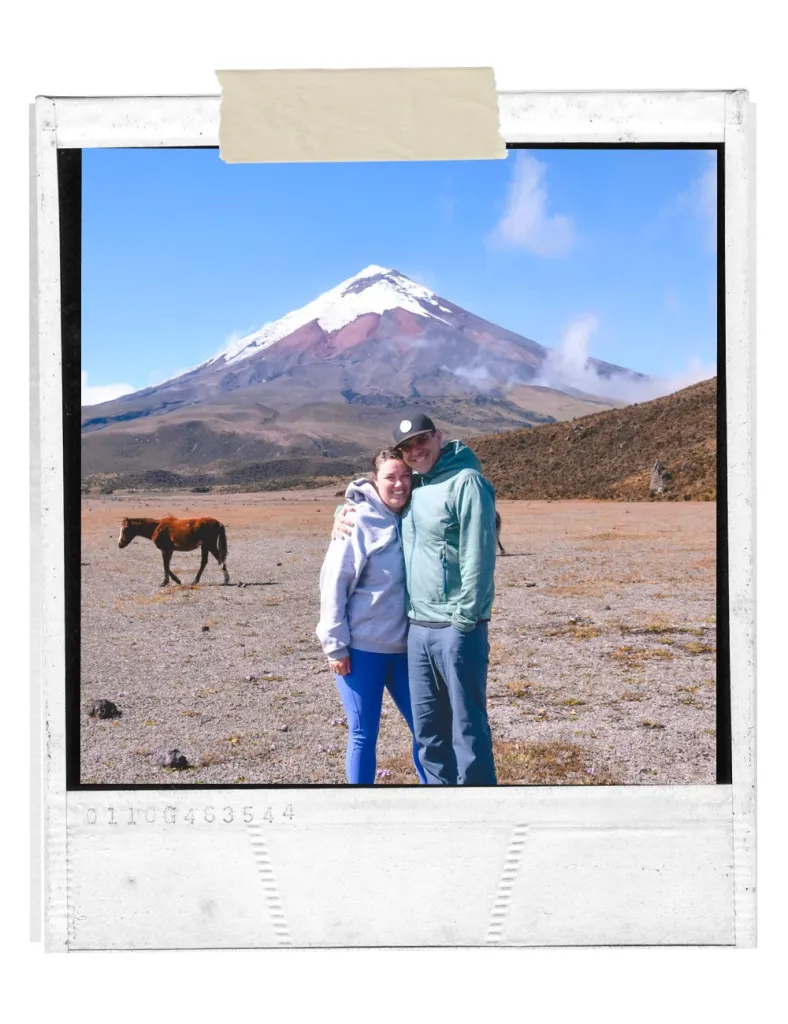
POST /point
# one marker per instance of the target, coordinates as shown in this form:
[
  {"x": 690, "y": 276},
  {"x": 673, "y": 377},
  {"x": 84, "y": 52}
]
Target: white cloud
[
  {"x": 97, "y": 393},
  {"x": 567, "y": 366},
  {"x": 526, "y": 223},
  {"x": 475, "y": 374}
]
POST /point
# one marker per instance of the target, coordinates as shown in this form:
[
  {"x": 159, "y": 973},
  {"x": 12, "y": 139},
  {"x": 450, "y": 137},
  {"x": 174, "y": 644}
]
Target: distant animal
[
  {"x": 170, "y": 534},
  {"x": 498, "y": 532}
]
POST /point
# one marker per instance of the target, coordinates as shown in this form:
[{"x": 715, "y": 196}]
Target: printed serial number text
[{"x": 187, "y": 816}]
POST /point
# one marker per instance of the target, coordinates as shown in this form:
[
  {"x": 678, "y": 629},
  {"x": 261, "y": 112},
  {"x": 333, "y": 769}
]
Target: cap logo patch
[{"x": 405, "y": 426}]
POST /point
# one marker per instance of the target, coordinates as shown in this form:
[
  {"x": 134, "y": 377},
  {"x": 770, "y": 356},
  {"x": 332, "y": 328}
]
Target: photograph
[{"x": 399, "y": 473}]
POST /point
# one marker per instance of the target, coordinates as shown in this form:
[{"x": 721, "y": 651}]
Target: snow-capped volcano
[
  {"x": 373, "y": 290},
  {"x": 327, "y": 381}
]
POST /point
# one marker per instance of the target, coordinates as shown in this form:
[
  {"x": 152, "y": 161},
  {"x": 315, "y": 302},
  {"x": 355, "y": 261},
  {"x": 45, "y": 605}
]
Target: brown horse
[
  {"x": 498, "y": 532},
  {"x": 171, "y": 534}
]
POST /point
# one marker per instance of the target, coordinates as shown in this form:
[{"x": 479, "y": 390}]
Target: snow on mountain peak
[
  {"x": 373, "y": 290},
  {"x": 372, "y": 271}
]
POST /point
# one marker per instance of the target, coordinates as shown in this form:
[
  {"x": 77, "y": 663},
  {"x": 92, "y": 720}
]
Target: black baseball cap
[{"x": 410, "y": 425}]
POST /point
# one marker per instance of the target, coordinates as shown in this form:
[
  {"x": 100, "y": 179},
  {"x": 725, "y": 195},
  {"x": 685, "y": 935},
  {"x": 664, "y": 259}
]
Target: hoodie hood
[
  {"x": 454, "y": 456},
  {"x": 364, "y": 490}
]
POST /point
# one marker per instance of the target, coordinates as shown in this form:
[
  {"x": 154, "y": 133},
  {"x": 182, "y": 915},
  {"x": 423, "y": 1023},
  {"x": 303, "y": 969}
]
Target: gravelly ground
[{"x": 602, "y": 646}]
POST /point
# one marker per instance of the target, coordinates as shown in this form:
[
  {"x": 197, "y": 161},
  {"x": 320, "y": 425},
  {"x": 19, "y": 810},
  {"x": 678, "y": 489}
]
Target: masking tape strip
[{"x": 296, "y": 116}]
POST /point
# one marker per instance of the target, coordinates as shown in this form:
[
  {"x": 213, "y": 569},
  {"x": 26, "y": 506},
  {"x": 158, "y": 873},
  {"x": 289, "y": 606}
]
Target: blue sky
[{"x": 611, "y": 249}]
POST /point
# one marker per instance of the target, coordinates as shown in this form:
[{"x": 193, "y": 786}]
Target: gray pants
[{"x": 447, "y": 672}]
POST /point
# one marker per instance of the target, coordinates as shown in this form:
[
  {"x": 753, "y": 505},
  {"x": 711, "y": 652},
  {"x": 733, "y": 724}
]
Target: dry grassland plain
[{"x": 602, "y": 665}]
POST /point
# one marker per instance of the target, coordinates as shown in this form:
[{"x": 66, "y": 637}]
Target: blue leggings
[{"x": 362, "y": 697}]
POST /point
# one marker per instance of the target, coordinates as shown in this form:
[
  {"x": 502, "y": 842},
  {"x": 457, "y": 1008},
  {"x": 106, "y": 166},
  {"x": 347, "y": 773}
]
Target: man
[{"x": 449, "y": 543}]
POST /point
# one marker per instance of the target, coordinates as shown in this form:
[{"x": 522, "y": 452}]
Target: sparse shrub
[
  {"x": 211, "y": 758},
  {"x": 519, "y": 763},
  {"x": 694, "y": 647},
  {"x": 575, "y": 631},
  {"x": 585, "y": 632},
  {"x": 552, "y": 762},
  {"x": 632, "y": 656}
]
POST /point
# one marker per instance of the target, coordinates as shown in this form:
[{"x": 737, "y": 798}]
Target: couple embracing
[{"x": 406, "y": 593}]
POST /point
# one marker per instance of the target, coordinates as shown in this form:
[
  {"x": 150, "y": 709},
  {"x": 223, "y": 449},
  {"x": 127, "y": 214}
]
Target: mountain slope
[{"x": 610, "y": 454}]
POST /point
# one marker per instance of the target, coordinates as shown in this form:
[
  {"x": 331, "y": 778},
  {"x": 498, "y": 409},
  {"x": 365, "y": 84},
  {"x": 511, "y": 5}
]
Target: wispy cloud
[
  {"x": 234, "y": 337},
  {"x": 703, "y": 201},
  {"x": 526, "y": 222},
  {"x": 697, "y": 201},
  {"x": 426, "y": 277},
  {"x": 568, "y": 366},
  {"x": 97, "y": 393},
  {"x": 231, "y": 341},
  {"x": 475, "y": 374}
]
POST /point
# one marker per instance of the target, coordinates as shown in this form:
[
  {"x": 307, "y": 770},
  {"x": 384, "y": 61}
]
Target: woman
[{"x": 363, "y": 621}]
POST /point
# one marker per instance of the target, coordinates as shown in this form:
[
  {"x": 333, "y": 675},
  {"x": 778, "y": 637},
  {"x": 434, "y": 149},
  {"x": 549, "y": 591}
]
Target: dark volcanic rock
[
  {"x": 660, "y": 478},
  {"x": 172, "y": 759},
  {"x": 104, "y": 709}
]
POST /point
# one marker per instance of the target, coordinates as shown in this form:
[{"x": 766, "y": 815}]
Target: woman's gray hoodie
[{"x": 362, "y": 582}]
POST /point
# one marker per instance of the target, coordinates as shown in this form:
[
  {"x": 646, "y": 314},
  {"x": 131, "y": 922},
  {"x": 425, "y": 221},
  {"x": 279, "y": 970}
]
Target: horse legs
[
  {"x": 167, "y": 556},
  {"x": 215, "y": 554},
  {"x": 500, "y": 546},
  {"x": 203, "y": 563}
]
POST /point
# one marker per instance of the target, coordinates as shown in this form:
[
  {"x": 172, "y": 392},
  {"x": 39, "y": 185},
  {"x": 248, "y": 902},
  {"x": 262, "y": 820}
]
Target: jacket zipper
[{"x": 415, "y": 536}]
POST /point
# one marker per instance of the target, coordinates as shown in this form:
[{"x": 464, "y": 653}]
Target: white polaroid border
[{"x": 522, "y": 866}]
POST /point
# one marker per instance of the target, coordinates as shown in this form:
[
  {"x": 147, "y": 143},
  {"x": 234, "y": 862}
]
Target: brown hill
[{"x": 610, "y": 454}]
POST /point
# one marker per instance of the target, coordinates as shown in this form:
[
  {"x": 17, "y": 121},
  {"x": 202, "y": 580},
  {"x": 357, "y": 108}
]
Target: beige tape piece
[{"x": 362, "y": 115}]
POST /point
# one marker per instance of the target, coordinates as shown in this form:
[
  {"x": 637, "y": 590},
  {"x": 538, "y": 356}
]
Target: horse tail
[{"x": 221, "y": 545}]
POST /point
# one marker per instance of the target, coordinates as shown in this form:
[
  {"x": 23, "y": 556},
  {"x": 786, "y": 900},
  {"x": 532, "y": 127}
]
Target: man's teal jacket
[{"x": 448, "y": 538}]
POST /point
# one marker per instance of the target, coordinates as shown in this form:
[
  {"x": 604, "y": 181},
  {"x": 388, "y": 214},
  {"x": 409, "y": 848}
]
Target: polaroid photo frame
[{"x": 249, "y": 867}]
